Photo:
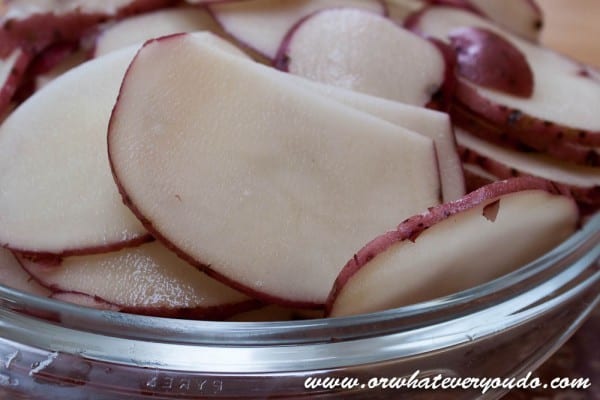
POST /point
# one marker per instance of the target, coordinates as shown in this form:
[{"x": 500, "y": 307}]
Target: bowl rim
[{"x": 579, "y": 251}]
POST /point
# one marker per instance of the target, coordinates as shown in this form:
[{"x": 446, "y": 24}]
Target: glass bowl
[{"x": 504, "y": 329}]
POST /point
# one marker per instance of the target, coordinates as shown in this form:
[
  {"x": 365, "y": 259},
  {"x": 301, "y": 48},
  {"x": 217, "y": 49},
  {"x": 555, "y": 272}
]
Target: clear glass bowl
[{"x": 52, "y": 350}]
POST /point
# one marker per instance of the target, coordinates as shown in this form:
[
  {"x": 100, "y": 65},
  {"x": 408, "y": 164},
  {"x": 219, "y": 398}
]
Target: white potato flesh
[
  {"x": 269, "y": 184},
  {"x": 367, "y": 53},
  {"x": 14, "y": 276},
  {"x": 145, "y": 277},
  {"x": 460, "y": 252},
  {"x": 262, "y": 24},
  {"x": 140, "y": 28},
  {"x": 532, "y": 163},
  {"x": 555, "y": 75},
  {"x": 429, "y": 123},
  {"x": 57, "y": 192}
]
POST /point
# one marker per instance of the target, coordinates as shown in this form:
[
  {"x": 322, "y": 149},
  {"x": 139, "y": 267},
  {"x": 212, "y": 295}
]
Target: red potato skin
[
  {"x": 411, "y": 228},
  {"x": 41, "y": 30},
  {"x": 526, "y": 142},
  {"x": 443, "y": 99},
  {"x": 489, "y": 60},
  {"x": 44, "y": 62},
  {"x": 475, "y": 181},
  {"x": 204, "y": 267},
  {"x": 520, "y": 125},
  {"x": 84, "y": 300},
  {"x": 56, "y": 258},
  {"x": 512, "y": 121},
  {"x": 587, "y": 197},
  {"x": 14, "y": 80},
  {"x": 50, "y": 57},
  {"x": 282, "y": 60}
]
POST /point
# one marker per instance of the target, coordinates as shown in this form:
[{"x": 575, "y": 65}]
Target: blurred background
[{"x": 573, "y": 27}]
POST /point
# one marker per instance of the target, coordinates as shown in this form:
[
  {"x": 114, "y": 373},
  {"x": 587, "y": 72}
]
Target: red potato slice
[
  {"x": 583, "y": 182},
  {"x": 525, "y": 127},
  {"x": 86, "y": 215},
  {"x": 454, "y": 246},
  {"x": 426, "y": 22},
  {"x": 283, "y": 174},
  {"x": 262, "y": 24},
  {"x": 565, "y": 151},
  {"x": 36, "y": 24},
  {"x": 140, "y": 28},
  {"x": 14, "y": 276},
  {"x": 148, "y": 279},
  {"x": 521, "y": 17},
  {"x": 547, "y": 112},
  {"x": 364, "y": 52},
  {"x": 432, "y": 124},
  {"x": 58, "y": 194}
]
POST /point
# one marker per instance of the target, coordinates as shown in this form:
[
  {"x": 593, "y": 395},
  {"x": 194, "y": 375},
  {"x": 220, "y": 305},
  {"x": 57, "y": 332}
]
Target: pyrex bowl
[{"x": 505, "y": 328}]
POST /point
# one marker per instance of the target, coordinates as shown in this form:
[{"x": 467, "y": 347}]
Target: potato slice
[
  {"x": 58, "y": 194},
  {"x": 148, "y": 279},
  {"x": 261, "y": 182},
  {"x": 455, "y": 246},
  {"x": 362, "y": 51}
]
